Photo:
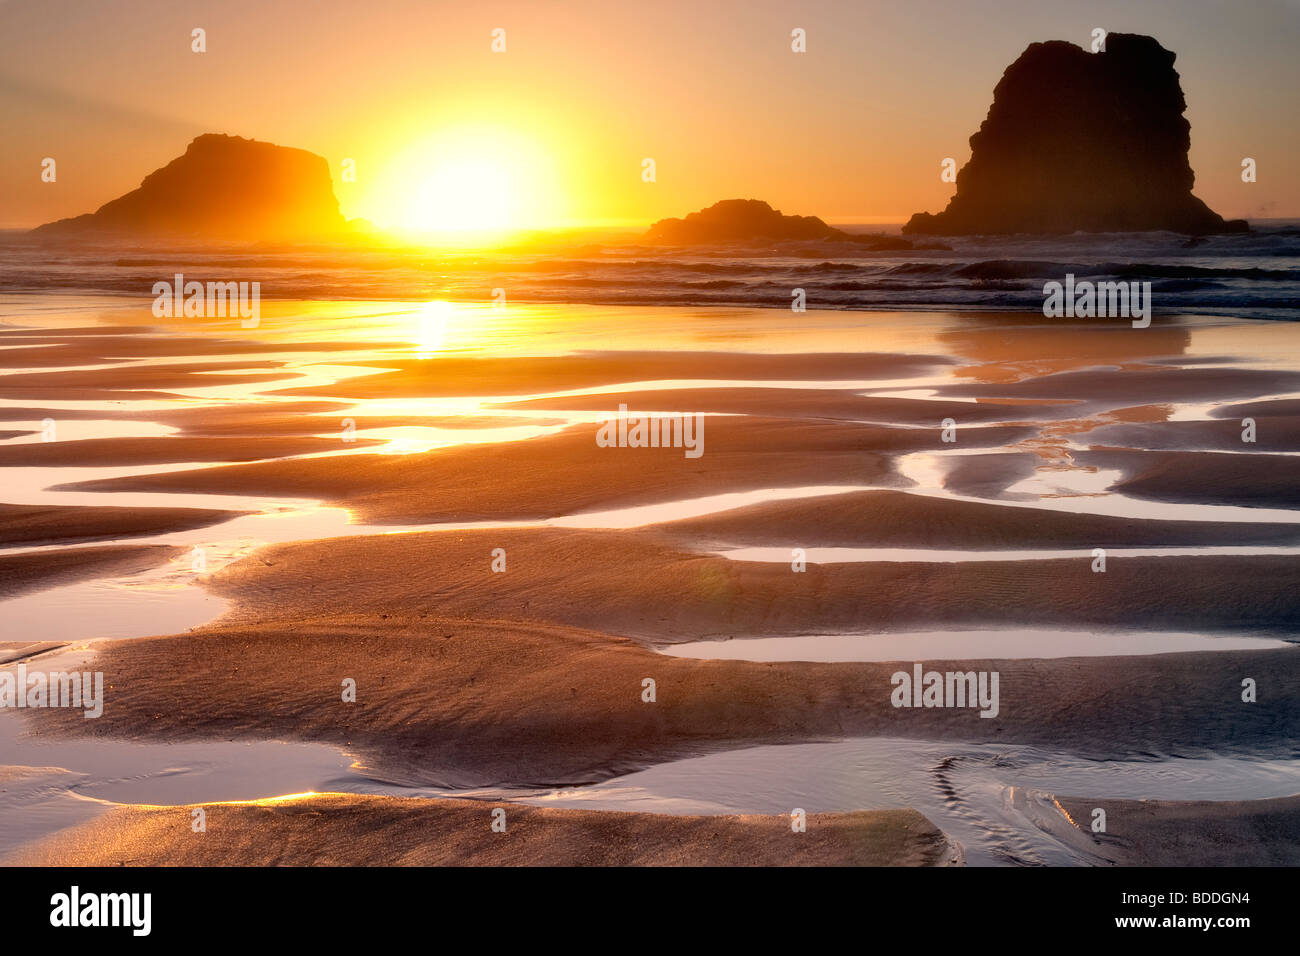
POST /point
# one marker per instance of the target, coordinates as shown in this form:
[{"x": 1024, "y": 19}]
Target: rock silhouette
[
  {"x": 1081, "y": 142},
  {"x": 742, "y": 220},
  {"x": 222, "y": 187}
]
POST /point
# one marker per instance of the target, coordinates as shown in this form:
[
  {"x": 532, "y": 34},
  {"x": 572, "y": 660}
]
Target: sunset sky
[{"x": 553, "y": 131}]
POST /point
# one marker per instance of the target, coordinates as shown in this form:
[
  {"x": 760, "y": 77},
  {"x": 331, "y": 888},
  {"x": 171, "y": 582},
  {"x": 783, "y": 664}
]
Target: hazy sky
[{"x": 554, "y": 130}]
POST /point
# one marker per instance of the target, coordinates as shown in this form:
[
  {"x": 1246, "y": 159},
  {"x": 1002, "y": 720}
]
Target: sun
[
  {"x": 468, "y": 193},
  {"x": 467, "y": 180}
]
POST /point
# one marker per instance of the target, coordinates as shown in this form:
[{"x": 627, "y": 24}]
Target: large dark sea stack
[
  {"x": 223, "y": 187},
  {"x": 1078, "y": 141}
]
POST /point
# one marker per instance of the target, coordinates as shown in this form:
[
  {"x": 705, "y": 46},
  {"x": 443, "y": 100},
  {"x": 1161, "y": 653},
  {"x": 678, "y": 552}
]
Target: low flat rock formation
[
  {"x": 222, "y": 187},
  {"x": 1081, "y": 142},
  {"x": 746, "y": 220}
]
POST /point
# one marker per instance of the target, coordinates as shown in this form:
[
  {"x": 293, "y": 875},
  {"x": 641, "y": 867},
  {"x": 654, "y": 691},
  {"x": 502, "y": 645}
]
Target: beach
[{"x": 242, "y": 528}]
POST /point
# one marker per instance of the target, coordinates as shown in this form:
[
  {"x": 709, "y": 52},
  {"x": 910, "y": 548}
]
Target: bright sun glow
[
  {"x": 468, "y": 193},
  {"x": 468, "y": 179}
]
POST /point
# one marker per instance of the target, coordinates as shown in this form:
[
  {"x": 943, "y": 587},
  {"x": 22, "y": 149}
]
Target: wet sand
[
  {"x": 346, "y": 830},
  {"x": 1287, "y": 407},
  {"x": 988, "y": 476},
  {"x": 901, "y": 519},
  {"x": 828, "y": 403},
  {"x": 1204, "y": 477},
  {"x": 1187, "y": 833},
  {"x": 114, "y": 452},
  {"x": 453, "y": 700},
  {"x": 32, "y": 525},
  {"x": 24, "y": 573},
  {"x": 534, "y": 676},
  {"x": 488, "y": 376},
  {"x": 500, "y": 481},
  {"x": 1141, "y": 385},
  {"x": 140, "y": 381},
  {"x": 642, "y": 585},
  {"x": 1272, "y": 434},
  {"x": 281, "y": 419},
  {"x": 35, "y": 348}
]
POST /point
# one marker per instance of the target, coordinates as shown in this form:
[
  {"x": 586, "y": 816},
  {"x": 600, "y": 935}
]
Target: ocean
[{"x": 1254, "y": 275}]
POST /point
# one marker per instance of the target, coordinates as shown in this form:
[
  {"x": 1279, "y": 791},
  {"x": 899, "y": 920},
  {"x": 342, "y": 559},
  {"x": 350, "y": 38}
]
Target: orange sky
[{"x": 553, "y": 131}]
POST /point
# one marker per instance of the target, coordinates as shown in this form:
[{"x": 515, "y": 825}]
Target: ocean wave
[
  {"x": 1251, "y": 275},
  {"x": 1048, "y": 270}
]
